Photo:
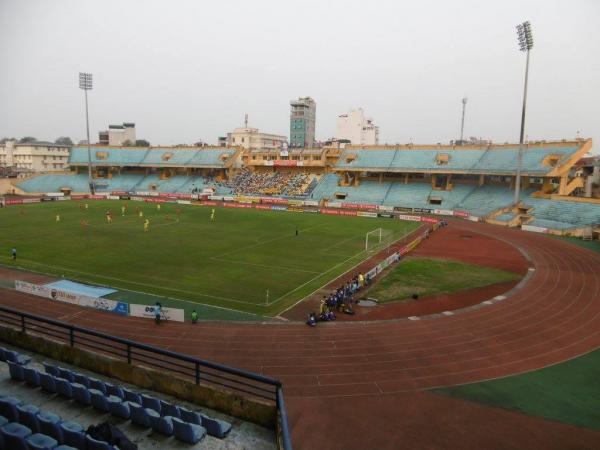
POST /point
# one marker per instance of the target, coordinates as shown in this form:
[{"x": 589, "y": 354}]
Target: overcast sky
[{"x": 188, "y": 70}]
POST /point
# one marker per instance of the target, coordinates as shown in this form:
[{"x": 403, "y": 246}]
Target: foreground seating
[
  {"x": 28, "y": 417},
  {"x": 16, "y": 371},
  {"x": 14, "y": 435},
  {"x": 215, "y": 427},
  {"x": 8, "y": 408},
  {"x": 187, "y": 432},
  {"x": 14, "y": 357},
  {"x": 48, "y": 383},
  {"x": 49, "y": 424},
  {"x": 40, "y": 442}
]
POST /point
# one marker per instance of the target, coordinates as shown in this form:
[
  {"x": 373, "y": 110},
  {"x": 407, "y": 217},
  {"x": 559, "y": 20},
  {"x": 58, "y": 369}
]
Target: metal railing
[{"x": 187, "y": 367}]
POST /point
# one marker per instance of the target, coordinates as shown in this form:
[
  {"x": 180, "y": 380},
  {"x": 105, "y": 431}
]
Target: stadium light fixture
[
  {"x": 462, "y": 122},
  {"x": 525, "y": 39},
  {"x": 85, "y": 83}
]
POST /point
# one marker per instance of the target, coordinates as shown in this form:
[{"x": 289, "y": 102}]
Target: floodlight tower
[
  {"x": 85, "y": 83},
  {"x": 525, "y": 38},
  {"x": 462, "y": 122}
]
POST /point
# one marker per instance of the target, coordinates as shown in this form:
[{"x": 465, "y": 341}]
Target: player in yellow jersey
[
  {"x": 141, "y": 213},
  {"x": 123, "y": 210},
  {"x": 146, "y": 225},
  {"x": 212, "y": 215},
  {"x": 158, "y": 206},
  {"x": 58, "y": 218}
]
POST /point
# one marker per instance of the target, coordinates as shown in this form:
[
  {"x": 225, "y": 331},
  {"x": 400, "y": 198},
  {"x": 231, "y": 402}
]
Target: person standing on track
[
  {"x": 157, "y": 312},
  {"x": 13, "y": 253}
]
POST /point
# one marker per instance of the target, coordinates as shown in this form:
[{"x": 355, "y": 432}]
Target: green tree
[
  {"x": 142, "y": 143},
  {"x": 127, "y": 143},
  {"x": 27, "y": 140},
  {"x": 4, "y": 140},
  {"x": 63, "y": 140}
]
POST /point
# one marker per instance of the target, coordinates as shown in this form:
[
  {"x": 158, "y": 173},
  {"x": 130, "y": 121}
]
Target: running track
[{"x": 350, "y": 385}]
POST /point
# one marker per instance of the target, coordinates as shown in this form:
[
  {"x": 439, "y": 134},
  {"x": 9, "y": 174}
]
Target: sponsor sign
[
  {"x": 124, "y": 197},
  {"x": 216, "y": 197},
  {"x": 237, "y": 205},
  {"x": 407, "y": 248},
  {"x": 534, "y": 229},
  {"x": 474, "y": 218},
  {"x": 443, "y": 212},
  {"x": 208, "y": 203},
  {"x": 429, "y": 219},
  {"x": 295, "y": 202},
  {"x": 394, "y": 257},
  {"x": 279, "y": 208},
  {"x": 334, "y": 204},
  {"x": 343, "y": 212},
  {"x": 60, "y": 199},
  {"x": 461, "y": 213},
  {"x": 147, "y": 193},
  {"x": 55, "y": 194},
  {"x": 389, "y": 216},
  {"x": 262, "y": 207},
  {"x": 97, "y": 197},
  {"x": 358, "y": 206},
  {"x": 78, "y": 197},
  {"x": 119, "y": 192},
  {"x": 227, "y": 198},
  {"x": 137, "y": 199},
  {"x": 113, "y": 197},
  {"x": 403, "y": 209},
  {"x": 409, "y": 217},
  {"x": 31, "y": 200},
  {"x": 184, "y": 202},
  {"x": 155, "y": 200},
  {"x": 385, "y": 208},
  {"x": 333, "y": 212},
  {"x": 274, "y": 200},
  {"x": 60, "y": 295},
  {"x": 366, "y": 214},
  {"x": 147, "y": 312},
  {"x": 292, "y": 209},
  {"x": 310, "y": 203}
]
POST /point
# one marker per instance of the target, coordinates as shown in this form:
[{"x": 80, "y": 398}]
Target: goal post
[{"x": 373, "y": 234}]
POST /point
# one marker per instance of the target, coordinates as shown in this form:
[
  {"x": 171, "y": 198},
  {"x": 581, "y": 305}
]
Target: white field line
[
  {"x": 329, "y": 281},
  {"x": 293, "y": 269},
  {"x": 106, "y": 277},
  {"x": 136, "y": 292},
  {"x": 239, "y": 249}
]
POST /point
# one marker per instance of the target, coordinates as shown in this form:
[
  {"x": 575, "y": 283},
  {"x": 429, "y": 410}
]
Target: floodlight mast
[
  {"x": 525, "y": 38},
  {"x": 85, "y": 83},
  {"x": 462, "y": 122}
]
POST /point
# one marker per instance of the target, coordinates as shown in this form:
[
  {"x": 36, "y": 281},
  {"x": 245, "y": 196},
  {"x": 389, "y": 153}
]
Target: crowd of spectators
[
  {"x": 339, "y": 301},
  {"x": 269, "y": 183}
]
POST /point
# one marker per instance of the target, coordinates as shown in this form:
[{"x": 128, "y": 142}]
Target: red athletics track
[{"x": 362, "y": 384}]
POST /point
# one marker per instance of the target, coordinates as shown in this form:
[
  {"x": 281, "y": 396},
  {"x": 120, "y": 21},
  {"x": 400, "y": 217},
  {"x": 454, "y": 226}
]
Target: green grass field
[
  {"x": 424, "y": 276},
  {"x": 229, "y": 263}
]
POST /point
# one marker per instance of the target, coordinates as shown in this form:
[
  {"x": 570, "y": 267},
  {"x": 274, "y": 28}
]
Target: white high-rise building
[{"x": 356, "y": 128}]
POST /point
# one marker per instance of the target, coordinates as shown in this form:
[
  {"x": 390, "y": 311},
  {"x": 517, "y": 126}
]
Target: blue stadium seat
[
  {"x": 51, "y": 369},
  {"x": 115, "y": 390},
  {"x": 73, "y": 434},
  {"x": 63, "y": 387},
  {"x": 8, "y": 408},
  {"x": 132, "y": 396},
  {"x": 215, "y": 427},
  {"x": 139, "y": 415},
  {"x": 98, "y": 385},
  {"x": 17, "y": 358},
  {"x": 16, "y": 371},
  {"x": 66, "y": 374},
  {"x": 82, "y": 379},
  {"x": 99, "y": 400},
  {"x": 49, "y": 424},
  {"x": 151, "y": 402},
  {"x": 190, "y": 416},
  {"x": 14, "y": 435},
  {"x": 41, "y": 442},
  {"x": 119, "y": 408},
  {"x": 81, "y": 394},
  {"x": 188, "y": 432},
  {"x": 169, "y": 409},
  {"x": 47, "y": 382},
  {"x": 31, "y": 376},
  {"x": 2, "y": 355},
  {"x": 28, "y": 417}
]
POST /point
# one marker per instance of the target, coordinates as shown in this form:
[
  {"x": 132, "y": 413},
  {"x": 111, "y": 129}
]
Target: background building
[
  {"x": 356, "y": 128},
  {"x": 117, "y": 134},
  {"x": 252, "y": 139},
  {"x": 302, "y": 122},
  {"x": 34, "y": 157}
]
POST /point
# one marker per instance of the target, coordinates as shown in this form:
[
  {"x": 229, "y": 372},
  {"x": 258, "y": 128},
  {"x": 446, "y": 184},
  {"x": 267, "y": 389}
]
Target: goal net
[{"x": 377, "y": 239}]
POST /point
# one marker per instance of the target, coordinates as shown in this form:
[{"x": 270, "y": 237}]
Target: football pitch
[{"x": 245, "y": 260}]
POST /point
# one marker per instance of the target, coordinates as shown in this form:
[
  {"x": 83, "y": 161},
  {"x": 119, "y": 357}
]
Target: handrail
[{"x": 132, "y": 351}]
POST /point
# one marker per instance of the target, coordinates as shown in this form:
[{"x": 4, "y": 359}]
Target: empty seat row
[
  {"x": 12, "y": 356},
  {"x": 142, "y": 409},
  {"x": 26, "y": 427}
]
